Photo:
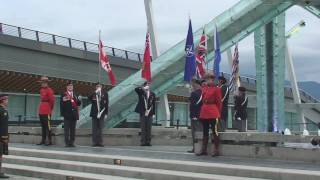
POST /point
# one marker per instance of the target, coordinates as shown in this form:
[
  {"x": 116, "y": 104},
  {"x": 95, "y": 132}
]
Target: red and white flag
[
  {"x": 146, "y": 65},
  {"x": 105, "y": 64},
  {"x": 201, "y": 56}
]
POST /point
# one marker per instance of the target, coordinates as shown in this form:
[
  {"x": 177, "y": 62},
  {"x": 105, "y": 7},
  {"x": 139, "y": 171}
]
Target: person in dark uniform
[
  {"x": 99, "y": 111},
  {"x": 4, "y": 135},
  {"x": 69, "y": 108},
  {"x": 240, "y": 107},
  {"x": 194, "y": 109},
  {"x": 45, "y": 110},
  {"x": 210, "y": 114},
  {"x": 225, "y": 98},
  {"x": 146, "y": 109}
]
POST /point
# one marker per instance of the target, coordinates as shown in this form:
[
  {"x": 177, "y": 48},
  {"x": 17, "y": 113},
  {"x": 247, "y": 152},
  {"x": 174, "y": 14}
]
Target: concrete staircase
[{"x": 104, "y": 163}]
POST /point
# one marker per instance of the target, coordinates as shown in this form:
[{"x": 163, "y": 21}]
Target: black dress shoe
[
  {"x": 72, "y": 145},
  {"x": 49, "y": 144},
  {"x": 41, "y": 143},
  {"x": 191, "y": 151},
  {"x": 3, "y": 176},
  {"x": 143, "y": 144},
  {"x": 148, "y": 144},
  {"x": 100, "y": 145}
]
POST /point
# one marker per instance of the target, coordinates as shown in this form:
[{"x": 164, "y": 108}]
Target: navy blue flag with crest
[
  {"x": 217, "y": 56},
  {"x": 190, "y": 65}
]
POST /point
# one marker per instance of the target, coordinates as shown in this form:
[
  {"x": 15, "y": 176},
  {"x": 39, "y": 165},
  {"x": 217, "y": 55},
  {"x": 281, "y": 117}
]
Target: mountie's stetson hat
[{"x": 44, "y": 79}]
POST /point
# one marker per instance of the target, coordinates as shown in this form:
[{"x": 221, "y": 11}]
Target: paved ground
[
  {"x": 14, "y": 177},
  {"x": 176, "y": 153}
]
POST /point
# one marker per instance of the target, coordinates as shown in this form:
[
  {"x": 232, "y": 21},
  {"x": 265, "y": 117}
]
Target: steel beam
[
  {"x": 315, "y": 10},
  {"x": 270, "y": 67}
]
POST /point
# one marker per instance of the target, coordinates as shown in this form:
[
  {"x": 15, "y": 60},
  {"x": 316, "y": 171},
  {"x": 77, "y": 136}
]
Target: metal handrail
[
  {"x": 247, "y": 80},
  {"x": 39, "y": 36}
]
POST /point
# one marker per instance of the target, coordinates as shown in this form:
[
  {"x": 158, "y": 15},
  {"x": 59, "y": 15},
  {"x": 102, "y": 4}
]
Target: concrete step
[
  {"x": 16, "y": 177},
  {"x": 240, "y": 170},
  {"x": 55, "y": 174},
  {"x": 114, "y": 170}
]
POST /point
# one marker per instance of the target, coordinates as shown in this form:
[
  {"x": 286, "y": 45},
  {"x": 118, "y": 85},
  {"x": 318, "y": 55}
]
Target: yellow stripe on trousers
[
  {"x": 216, "y": 127},
  {"x": 49, "y": 119}
]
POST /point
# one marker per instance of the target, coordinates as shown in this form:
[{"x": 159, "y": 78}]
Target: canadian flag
[
  {"x": 146, "y": 65},
  {"x": 105, "y": 64}
]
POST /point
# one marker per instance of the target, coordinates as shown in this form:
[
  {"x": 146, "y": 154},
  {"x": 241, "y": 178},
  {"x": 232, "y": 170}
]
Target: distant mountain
[{"x": 310, "y": 87}]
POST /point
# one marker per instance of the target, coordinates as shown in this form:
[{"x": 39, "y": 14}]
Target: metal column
[{"x": 270, "y": 43}]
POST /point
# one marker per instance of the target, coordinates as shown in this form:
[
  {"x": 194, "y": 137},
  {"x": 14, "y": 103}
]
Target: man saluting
[
  {"x": 69, "y": 108},
  {"x": 146, "y": 109}
]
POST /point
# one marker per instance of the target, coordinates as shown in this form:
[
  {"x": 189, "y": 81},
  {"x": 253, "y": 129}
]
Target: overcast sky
[{"x": 123, "y": 25}]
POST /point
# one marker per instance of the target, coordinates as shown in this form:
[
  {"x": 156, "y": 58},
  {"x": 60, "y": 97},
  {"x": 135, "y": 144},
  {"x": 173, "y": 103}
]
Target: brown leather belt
[{"x": 208, "y": 102}]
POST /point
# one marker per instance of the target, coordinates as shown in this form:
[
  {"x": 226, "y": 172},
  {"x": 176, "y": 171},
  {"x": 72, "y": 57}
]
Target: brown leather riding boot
[
  {"x": 204, "y": 146},
  {"x": 216, "y": 143}
]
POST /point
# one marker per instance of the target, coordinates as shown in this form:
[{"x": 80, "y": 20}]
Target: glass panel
[{"x": 180, "y": 114}]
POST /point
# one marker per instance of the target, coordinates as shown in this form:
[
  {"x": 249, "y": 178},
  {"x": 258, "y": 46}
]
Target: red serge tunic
[
  {"x": 211, "y": 107},
  {"x": 46, "y": 101}
]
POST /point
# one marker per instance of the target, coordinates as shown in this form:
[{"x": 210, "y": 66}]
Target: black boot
[
  {"x": 42, "y": 142},
  {"x": 3, "y": 176}
]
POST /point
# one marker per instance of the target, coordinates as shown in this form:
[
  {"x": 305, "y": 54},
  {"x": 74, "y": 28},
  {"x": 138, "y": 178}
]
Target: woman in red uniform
[{"x": 210, "y": 114}]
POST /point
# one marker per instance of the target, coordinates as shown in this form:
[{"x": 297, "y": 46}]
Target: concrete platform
[
  {"x": 249, "y": 144},
  {"x": 156, "y": 162}
]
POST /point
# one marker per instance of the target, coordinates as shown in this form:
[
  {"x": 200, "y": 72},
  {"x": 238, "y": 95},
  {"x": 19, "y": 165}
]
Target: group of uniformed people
[
  {"x": 69, "y": 108},
  {"x": 208, "y": 105},
  {"x": 209, "y": 110}
]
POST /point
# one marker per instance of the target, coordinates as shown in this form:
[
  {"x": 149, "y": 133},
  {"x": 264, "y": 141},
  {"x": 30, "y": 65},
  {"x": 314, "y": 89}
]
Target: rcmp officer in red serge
[
  {"x": 45, "y": 110},
  {"x": 225, "y": 98},
  {"x": 146, "y": 109},
  {"x": 69, "y": 108},
  {"x": 4, "y": 136},
  {"x": 210, "y": 114},
  {"x": 99, "y": 109}
]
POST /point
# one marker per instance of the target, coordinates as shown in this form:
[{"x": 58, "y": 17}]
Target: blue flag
[
  {"x": 190, "y": 66},
  {"x": 217, "y": 54}
]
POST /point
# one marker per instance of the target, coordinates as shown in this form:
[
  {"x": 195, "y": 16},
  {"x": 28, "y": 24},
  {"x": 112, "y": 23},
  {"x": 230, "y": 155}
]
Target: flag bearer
[
  {"x": 194, "y": 109},
  {"x": 225, "y": 98},
  {"x": 45, "y": 110},
  {"x": 99, "y": 110},
  {"x": 4, "y": 136},
  {"x": 240, "y": 107}
]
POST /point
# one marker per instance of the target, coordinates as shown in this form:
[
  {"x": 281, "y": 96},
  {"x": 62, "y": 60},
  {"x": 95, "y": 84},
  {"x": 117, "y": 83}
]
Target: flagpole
[{"x": 99, "y": 67}]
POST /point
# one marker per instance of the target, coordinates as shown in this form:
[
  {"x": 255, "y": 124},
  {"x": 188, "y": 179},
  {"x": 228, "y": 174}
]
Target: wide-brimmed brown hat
[{"x": 44, "y": 79}]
